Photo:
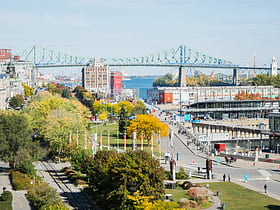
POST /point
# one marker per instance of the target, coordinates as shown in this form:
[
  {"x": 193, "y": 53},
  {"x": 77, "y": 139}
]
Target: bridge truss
[{"x": 43, "y": 57}]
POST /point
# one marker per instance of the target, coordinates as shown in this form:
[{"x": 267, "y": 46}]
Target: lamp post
[
  {"x": 134, "y": 141},
  {"x": 124, "y": 141}
]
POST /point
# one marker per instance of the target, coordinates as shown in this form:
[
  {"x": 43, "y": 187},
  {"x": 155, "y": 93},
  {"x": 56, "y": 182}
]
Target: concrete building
[
  {"x": 116, "y": 82},
  {"x": 13, "y": 73},
  {"x": 96, "y": 77},
  {"x": 274, "y": 126},
  {"x": 4, "y": 90},
  {"x": 190, "y": 95}
]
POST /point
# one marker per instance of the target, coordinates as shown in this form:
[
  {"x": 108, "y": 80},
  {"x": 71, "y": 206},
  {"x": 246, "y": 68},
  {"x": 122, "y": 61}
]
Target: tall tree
[
  {"x": 127, "y": 173},
  {"x": 16, "y": 101},
  {"x": 15, "y": 135},
  {"x": 123, "y": 119},
  {"x": 147, "y": 125}
]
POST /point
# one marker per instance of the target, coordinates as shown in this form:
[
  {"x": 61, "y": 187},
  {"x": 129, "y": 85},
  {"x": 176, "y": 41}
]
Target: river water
[{"x": 143, "y": 84}]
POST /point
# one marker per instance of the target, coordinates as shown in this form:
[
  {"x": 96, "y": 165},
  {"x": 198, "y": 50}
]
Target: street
[{"x": 190, "y": 158}]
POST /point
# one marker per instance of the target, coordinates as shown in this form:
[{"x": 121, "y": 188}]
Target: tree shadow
[
  {"x": 273, "y": 207},
  {"x": 78, "y": 200},
  {"x": 4, "y": 169}
]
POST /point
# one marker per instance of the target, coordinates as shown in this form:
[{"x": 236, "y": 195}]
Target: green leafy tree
[
  {"x": 15, "y": 135},
  {"x": 66, "y": 93},
  {"x": 123, "y": 119},
  {"x": 126, "y": 173},
  {"x": 139, "y": 108},
  {"x": 42, "y": 196},
  {"x": 165, "y": 81},
  {"x": 80, "y": 158},
  {"x": 16, "y": 101}
]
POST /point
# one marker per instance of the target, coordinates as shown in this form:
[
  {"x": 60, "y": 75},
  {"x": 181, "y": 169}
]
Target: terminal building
[
  {"x": 224, "y": 102},
  {"x": 274, "y": 126}
]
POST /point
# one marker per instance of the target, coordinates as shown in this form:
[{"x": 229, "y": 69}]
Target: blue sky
[{"x": 234, "y": 30}]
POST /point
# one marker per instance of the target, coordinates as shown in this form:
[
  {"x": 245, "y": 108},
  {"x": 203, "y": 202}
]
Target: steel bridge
[{"x": 181, "y": 57}]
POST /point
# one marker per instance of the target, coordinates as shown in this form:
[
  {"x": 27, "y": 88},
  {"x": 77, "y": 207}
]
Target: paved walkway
[{"x": 19, "y": 200}]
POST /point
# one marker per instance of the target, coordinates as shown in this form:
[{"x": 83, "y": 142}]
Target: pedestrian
[
  {"x": 224, "y": 177},
  {"x": 229, "y": 177},
  {"x": 265, "y": 188}
]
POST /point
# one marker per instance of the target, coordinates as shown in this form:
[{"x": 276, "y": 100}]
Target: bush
[
  {"x": 21, "y": 181},
  {"x": 42, "y": 195},
  {"x": 26, "y": 167},
  {"x": 54, "y": 207},
  {"x": 181, "y": 174},
  {"x": 167, "y": 175},
  {"x": 6, "y": 196},
  {"x": 184, "y": 203}
]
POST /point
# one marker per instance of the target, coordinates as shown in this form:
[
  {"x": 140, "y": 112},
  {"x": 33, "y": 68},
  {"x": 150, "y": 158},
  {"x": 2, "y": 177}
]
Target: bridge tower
[
  {"x": 273, "y": 66},
  {"x": 182, "y": 77},
  {"x": 235, "y": 78},
  {"x": 182, "y": 70}
]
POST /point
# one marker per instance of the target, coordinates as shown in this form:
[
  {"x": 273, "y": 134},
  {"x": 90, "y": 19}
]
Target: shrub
[
  {"x": 6, "y": 196},
  {"x": 54, "y": 207},
  {"x": 21, "y": 181},
  {"x": 181, "y": 174},
  {"x": 42, "y": 195},
  {"x": 26, "y": 167},
  {"x": 184, "y": 203},
  {"x": 79, "y": 182},
  {"x": 167, "y": 175},
  {"x": 193, "y": 204},
  {"x": 198, "y": 193}
]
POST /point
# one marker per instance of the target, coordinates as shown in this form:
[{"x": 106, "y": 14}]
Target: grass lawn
[
  {"x": 238, "y": 197},
  {"x": 118, "y": 141},
  {"x": 5, "y": 205},
  {"x": 178, "y": 193}
]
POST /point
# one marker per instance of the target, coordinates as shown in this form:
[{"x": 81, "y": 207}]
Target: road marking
[{"x": 264, "y": 173}]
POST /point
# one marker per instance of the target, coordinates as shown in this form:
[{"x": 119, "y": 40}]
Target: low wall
[{"x": 251, "y": 158}]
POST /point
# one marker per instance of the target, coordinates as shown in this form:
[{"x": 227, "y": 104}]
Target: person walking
[
  {"x": 224, "y": 177},
  {"x": 265, "y": 188},
  {"x": 229, "y": 177}
]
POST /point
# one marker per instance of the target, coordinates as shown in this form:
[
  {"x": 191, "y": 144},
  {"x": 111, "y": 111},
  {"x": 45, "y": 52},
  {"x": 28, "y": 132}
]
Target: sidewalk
[{"x": 19, "y": 200}]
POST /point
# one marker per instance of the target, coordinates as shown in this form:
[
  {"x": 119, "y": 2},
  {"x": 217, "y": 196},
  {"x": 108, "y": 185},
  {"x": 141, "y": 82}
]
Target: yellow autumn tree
[{"x": 147, "y": 125}]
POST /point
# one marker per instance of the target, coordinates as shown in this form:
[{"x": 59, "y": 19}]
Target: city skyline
[{"x": 232, "y": 30}]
